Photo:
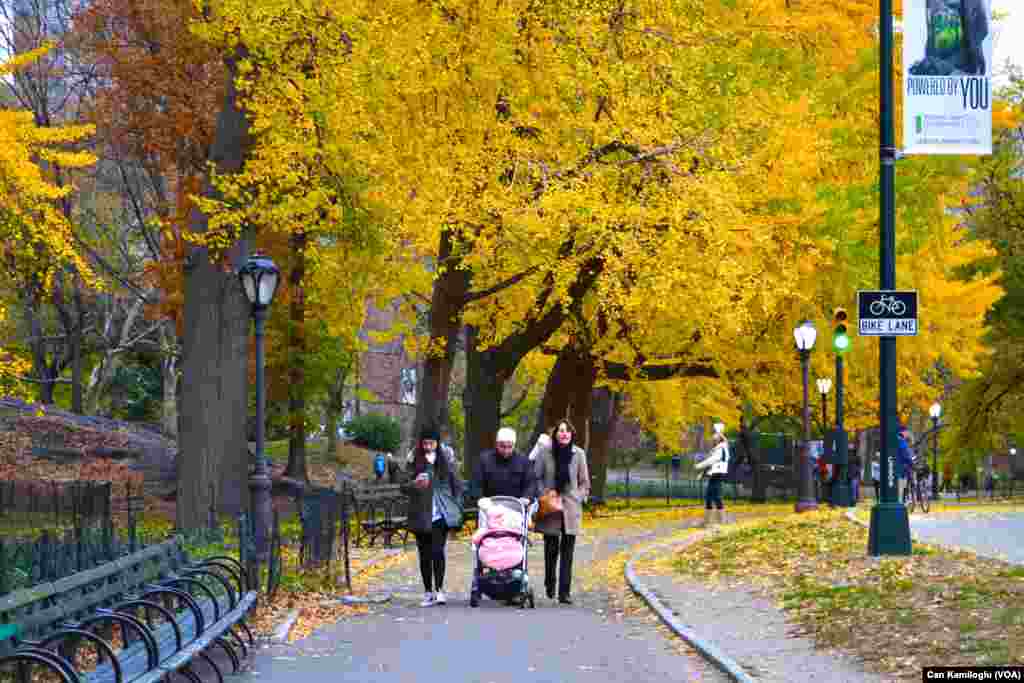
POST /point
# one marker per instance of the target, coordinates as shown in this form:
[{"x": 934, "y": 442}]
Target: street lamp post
[
  {"x": 935, "y": 412},
  {"x": 824, "y": 386},
  {"x": 1013, "y": 468},
  {"x": 889, "y": 532},
  {"x": 259, "y": 278},
  {"x": 805, "y": 334}
]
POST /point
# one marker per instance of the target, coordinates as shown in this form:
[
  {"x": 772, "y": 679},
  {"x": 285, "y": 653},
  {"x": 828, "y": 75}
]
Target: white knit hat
[{"x": 506, "y": 434}]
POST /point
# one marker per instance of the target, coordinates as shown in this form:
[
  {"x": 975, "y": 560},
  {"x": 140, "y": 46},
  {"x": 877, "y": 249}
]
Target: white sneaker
[
  {"x": 440, "y": 599},
  {"x": 428, "y": 600}
]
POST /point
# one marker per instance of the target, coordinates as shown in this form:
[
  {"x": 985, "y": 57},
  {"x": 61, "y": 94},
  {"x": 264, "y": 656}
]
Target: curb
[{"x": 709, "y": 651}]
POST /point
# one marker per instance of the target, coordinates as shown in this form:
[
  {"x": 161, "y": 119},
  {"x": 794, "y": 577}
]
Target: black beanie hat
[{"x": 430, "y": 433}]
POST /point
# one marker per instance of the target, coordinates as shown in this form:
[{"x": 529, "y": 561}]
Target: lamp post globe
[
  {"x": 259, "y": 278},
  {"x": 935, "y": 411},
  {"x": 824, "y": 386},
  {"x": 804, "y": 335}
]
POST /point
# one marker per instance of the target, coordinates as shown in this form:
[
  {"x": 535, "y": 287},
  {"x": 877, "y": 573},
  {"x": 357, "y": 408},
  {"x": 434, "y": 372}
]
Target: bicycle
[
  {"x": 916, "y": 492},
  {"x": 887, "y": 303}
]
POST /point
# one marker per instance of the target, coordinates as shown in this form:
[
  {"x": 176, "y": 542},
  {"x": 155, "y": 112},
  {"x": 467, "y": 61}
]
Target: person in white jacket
[{"x": 715, "y": 467}]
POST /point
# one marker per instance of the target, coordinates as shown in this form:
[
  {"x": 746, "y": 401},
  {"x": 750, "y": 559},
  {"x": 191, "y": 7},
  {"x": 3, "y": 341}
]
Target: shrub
[{"x": 375, "y": 431}]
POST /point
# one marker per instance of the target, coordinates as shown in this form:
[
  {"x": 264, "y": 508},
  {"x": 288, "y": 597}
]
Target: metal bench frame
[
  {"x": 380, "y": 513},
  {"x": 51, "y": 621}
]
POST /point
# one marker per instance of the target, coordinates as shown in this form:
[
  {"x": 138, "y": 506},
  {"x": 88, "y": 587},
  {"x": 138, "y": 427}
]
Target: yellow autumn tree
[
  {"x": 937, "y": 256},
  {"x": 35, "y": 237},
  {"x": 669, "y": 148}
]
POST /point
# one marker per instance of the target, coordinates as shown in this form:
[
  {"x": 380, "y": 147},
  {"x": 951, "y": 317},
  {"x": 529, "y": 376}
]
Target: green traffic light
[{"x": 841, "y": 342}]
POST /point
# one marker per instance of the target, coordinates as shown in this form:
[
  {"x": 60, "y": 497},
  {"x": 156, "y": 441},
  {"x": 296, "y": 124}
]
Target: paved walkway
[
  {"x": 590, "y": 641},
  {"x": 992, "y": 534},
  {"x": 750, "y": 629}
]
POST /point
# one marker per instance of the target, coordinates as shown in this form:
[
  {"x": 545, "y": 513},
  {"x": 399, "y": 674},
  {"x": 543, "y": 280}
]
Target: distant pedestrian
[
  {"x": 904, "y": 461},
  {"x": 855, "y": 475},
  {"x": 715, "y": 467},
  {"x": 435, "y": 491},
  {"x": 876, "y": 475}
]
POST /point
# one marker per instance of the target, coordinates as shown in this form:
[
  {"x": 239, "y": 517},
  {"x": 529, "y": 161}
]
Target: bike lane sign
[{"x": 886, "y": 313}]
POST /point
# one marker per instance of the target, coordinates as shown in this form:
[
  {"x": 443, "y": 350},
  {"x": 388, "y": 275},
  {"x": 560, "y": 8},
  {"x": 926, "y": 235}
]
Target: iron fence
[
  {"x": 325, "y": 514},
  {"x": 27, "y": 506}
]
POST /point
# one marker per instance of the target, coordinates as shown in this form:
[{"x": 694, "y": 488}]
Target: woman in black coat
[{"x": 435, "y": 494}]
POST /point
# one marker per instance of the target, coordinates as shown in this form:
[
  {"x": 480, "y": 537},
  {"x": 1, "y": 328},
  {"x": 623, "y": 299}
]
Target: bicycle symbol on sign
[{"x": 887, "y": 304}]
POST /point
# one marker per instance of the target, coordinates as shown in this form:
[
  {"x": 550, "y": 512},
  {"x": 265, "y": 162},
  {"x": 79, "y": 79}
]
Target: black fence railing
[
  {"x": 777, "y": 484},
  {"x": 34, "y": 550},
  {"x": 27, "y": 505}
]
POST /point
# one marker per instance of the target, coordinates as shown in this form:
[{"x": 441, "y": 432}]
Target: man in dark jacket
[
  {"x": 501, "y": 471},
  {"x": 504, "y": 471}
]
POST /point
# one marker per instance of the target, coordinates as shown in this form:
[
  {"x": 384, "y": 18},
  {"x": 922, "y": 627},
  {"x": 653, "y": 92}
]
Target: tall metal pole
[
  {"x": 824, "y": 414},
  {"x": 259, "y": 481},
  {"x": 935, "y": 458},
  {"x": 842, "y": 493},
  {"x": 889, "y": 533},
  {"x": 805, "y": 494}
]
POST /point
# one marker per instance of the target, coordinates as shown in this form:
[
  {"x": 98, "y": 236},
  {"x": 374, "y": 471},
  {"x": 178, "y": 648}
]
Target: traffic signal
[{"x": 840, "y": 334}]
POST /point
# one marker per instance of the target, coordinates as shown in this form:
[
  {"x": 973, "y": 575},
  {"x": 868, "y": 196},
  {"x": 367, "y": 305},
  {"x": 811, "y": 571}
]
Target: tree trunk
[
  {"x": 485, "y": 385},
  {"x": 77, "y": 341},
  {"x": 605, "y": 410},
  {"x": 41, "y": 368},
  {"x": 297, "y": 371},
  {"x": 331, "y": 425},
  {"x": 213, "y": 460},
  {"x": 335, "y": 405},
  {"x": 568, "y": 393},
  {"x": 446, "y": 303},
  {"x": 99, "y": 381},
  {"x": 169, "y": 405}
]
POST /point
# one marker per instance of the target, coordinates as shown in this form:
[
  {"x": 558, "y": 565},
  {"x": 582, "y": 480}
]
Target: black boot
[
  {"x": 565, "y": 569},
  {"x": 550, "y": 563}
]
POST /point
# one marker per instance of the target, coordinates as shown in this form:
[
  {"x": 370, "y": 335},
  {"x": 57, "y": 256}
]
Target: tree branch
[
  {"x": 655, "y": 373},
  {"x": 505, "y": 284},
  {"x": 519, "y": 402}
]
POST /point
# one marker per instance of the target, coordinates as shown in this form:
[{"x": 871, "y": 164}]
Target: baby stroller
[{"x": 500, "y": 546}]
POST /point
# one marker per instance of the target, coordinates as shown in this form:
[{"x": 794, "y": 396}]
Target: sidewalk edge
[{"x": 709, "y": 651}]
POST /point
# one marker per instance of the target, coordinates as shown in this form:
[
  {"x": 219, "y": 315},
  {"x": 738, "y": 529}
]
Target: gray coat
[
  {"x": 421, "y": 501},
  {"x": 572, "y": 499}
]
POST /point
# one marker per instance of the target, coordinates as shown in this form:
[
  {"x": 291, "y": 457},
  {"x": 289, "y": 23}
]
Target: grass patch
[
  {"x": 942, "y": 607},
  {"x": 316, "y": 452}
]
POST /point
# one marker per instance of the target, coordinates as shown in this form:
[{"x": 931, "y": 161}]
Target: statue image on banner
[{"x": 954, "y": 44}]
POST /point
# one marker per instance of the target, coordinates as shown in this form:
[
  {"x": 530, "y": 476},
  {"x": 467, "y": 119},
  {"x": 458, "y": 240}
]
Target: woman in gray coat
[
  {"x": 435, "y": 494},
  {"x": 563, "y": 467}
]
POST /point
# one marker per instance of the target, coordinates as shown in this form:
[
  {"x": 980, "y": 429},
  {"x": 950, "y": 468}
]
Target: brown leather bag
[{"x": 549, "y": 503}]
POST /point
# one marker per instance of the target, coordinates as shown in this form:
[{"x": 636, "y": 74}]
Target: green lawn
[{"x": 316, "y": 451}]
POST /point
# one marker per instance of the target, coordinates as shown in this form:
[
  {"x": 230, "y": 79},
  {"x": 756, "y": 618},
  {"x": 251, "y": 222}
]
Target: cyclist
[{"x": 904, "y": 461}]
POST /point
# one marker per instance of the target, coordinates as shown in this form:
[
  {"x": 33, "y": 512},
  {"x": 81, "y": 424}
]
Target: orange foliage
[{"x": 161, "y": 90}]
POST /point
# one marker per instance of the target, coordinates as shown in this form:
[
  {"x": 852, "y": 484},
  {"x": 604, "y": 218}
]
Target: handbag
[
  {"x": 549, "y": 503},
  {"x": 450, "y": 510}
]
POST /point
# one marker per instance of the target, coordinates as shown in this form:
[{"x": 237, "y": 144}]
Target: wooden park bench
[
  {"x": 144, "y": 616},
  {"x": 380, "y": 513}
]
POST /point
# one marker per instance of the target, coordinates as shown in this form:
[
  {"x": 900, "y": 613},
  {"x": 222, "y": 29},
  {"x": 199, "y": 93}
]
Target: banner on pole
[{"x": 947, "y": 88}]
